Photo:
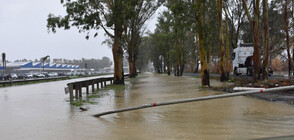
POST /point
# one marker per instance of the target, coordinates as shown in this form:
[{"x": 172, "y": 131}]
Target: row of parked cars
[
  {"x": 30, "y": 75},
  {"x": 43, "y": 75}
]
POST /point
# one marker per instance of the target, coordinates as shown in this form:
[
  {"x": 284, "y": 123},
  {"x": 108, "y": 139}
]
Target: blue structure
[
  {"x": 37, "y": 65},
  {"x": 59, "y": 66},
  {"x": 69, "y": 66},
  {"x": 64, "y": 66},
  {"x": 46, "y": 65},
  {"x": 52, "y": 66},
  {"x": 27, "y": 65}
]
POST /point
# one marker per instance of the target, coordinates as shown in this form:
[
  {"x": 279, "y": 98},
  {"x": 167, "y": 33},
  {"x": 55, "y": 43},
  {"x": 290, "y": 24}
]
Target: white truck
[{"x": 243, "y": 59}]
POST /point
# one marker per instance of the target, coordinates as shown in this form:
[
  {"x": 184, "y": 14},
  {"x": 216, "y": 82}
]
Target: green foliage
[
  {"x": 77, "y": 103},
  {"x": 89, "y": 15}
]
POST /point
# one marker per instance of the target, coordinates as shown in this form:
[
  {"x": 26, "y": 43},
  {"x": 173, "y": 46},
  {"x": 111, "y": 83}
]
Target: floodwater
[{"x": 40, "y": 111}]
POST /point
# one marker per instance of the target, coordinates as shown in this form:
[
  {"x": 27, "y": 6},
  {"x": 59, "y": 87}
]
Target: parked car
[
  {"x": 69, "y": 74},
  {"x": 5, "y": 77},
  {"x": 1, "y": 76},
  {"x": 61, "y": 74},
  {"x": 22, "y": 76},
  {"x": 35, "y": 75},
  {"x": 81, "y": 74},
  {"x": 53, "y": 74},
  {"x": 45, "y": 74},
  {"x": 13, "y": 76},
  {"x": 30, "y": 75},
  {"x": 38, "y": 75}
]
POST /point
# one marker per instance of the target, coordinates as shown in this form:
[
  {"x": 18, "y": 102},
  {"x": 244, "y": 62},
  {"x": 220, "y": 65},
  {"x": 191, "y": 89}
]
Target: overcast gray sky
[{"x": 23, "y": 33}]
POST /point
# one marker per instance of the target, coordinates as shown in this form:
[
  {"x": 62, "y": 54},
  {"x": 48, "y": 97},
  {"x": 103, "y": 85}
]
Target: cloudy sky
[{"x": 23, "y": 33}]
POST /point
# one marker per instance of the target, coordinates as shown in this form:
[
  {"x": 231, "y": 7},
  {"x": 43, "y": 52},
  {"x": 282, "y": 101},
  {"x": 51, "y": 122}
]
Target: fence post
[
  {"x": 87, "y": 87},
  {"x": 70, "y": 86},
  {"x": 80, "y": 89},
  {"x": 93, "y": 87}
]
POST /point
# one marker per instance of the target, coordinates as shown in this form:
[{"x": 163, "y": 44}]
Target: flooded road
[{"x": 40, "y": 111}]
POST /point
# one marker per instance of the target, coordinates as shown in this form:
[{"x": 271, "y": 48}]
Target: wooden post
[
  {"x": 93, "y": 87},
  {"x": 101, "y": 84},
  {"x": 105, "y": 83},
  {"x": 87, "y": 87},
  {"x": 70, "y": 86},
  {"x": 80, "y": 89},
  {"x": 111, "y": 82}
]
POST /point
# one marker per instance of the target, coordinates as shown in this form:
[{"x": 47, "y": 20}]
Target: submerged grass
[
  {"x": 115, "y": 87},
  {"x": 76, "y": 103}
]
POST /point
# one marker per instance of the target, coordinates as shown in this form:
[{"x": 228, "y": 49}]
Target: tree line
[
  {"x": 188, "y": 32},
  {"x": 198, "y": 32}
]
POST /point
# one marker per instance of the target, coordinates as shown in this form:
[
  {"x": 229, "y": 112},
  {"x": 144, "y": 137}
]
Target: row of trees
[
  {"x": 121, "y": 20},
  {"x": 190, "y": 31},
  {"x": 193, "y": 31}
]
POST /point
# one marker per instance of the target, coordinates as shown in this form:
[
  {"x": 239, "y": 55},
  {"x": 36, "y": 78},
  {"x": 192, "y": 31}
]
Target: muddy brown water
[{"x": 39, "y": 111}]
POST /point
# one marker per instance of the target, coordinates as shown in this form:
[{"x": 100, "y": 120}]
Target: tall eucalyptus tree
[{"x": 92, "y": 15}]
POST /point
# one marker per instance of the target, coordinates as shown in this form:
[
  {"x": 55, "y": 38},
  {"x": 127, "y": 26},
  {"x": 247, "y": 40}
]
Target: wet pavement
[{"x": 40, "y": 111}]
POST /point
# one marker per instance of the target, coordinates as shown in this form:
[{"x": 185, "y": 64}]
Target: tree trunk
[
  {"x": 266, "y": 39},
  {"x": 203, "y": 55},
  {"x": 256, "y": 53},
  {"x": 118, "y": 60},
  {"x": 203, "y": 60},
  {"x": 292, "y": 36},
  {"x": 177, "y": 54},
  {"x": 287, "y": 37},
  {"x": 182, "y": 65},
  {"x": 227, "y": 48},
  {"x": 117, "y": 50},
  {"x": 131, "y": 68},
  {"x": 254, "y": 27},
  {"x": 221, "y": 44},
  {"x": 135, "y": 66}
]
